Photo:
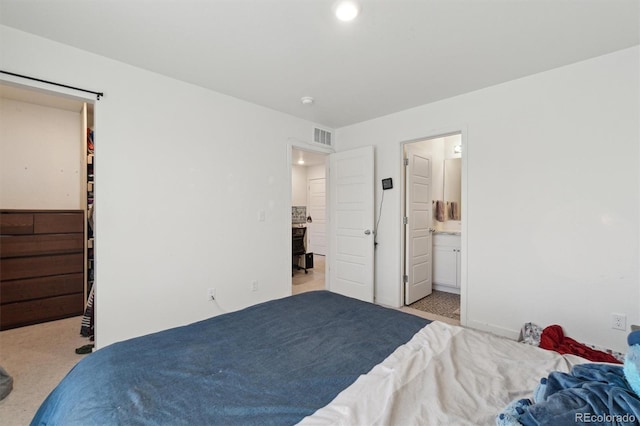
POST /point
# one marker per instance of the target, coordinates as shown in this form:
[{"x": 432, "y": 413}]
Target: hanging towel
[
  {"x": 439, "y": 211},
  {"x": 454, "y": 213}
]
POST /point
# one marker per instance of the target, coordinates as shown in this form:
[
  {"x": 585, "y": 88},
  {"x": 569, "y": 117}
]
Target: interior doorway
[
  {"x": 47, "y": 166},
  {"x": 308, "y": 219},
  {"x": 432, "y": 225}
]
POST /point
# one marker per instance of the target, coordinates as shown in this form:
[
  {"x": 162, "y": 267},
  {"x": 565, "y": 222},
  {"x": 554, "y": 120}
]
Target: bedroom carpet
[
  {"x": 440, "y": 303},
  {"x": 37, "y": 357}
]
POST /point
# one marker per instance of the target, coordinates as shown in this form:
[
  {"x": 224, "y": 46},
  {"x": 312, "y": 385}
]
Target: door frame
[
  {"x": 306, "y": 146},
  {"x": 464, "y": 211}
]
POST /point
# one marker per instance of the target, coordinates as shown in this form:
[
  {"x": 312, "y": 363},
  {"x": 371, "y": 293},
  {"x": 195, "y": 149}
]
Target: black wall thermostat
[{"x": 387, "y": 183}]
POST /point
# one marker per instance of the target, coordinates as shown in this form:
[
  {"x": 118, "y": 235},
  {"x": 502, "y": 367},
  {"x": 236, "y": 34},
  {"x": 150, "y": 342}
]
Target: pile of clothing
[
  {"x": 554, "y": 339},
  {"x": 602, "y": 392}
]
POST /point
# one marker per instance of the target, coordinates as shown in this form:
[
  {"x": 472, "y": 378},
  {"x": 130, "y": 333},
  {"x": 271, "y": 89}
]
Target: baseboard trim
[
  {"x": 494, "y": 329},
  {"x": 446, "y": 289}
]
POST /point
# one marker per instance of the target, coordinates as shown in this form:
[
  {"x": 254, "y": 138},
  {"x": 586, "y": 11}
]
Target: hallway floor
[{"x": 313, "y": 280}]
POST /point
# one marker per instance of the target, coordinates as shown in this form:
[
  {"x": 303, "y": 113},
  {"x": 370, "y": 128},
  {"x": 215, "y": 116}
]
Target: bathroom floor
[{"x": 440, "y": 303}]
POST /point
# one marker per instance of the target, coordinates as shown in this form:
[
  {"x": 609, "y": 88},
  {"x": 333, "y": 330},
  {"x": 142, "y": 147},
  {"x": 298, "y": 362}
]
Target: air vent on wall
[{"x": 322, "y": 136}]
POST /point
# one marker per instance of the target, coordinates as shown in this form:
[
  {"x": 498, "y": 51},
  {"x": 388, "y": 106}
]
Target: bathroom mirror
[{"x": 453, "y": 188}]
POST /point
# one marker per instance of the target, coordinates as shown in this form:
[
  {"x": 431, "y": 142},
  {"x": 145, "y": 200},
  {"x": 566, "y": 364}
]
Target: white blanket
[{"x": 445, "y": 375}]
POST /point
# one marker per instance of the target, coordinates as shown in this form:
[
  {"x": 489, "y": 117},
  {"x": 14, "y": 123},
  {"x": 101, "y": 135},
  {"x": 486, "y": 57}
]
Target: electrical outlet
[
  {"x": 211, "y": 293},
  {"x": 619, "y": 321},
  {"x": 254, "y": 285}
]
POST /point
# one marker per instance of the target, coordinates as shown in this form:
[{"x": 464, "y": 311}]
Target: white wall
[
  {"x": 300, "y": 176},
  {"x": 298, "y": 185},
  {"x": 316, "y": 172},
  {"x": 551, "y": 214},
  {"x": 181, "y": 175},
  {"x": 40, "y": 157}
]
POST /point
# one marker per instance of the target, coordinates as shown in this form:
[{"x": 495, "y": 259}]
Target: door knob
[{"x": 367, "y": 232}]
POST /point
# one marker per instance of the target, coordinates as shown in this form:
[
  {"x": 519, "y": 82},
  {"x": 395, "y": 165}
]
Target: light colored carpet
[{"x": 38, "y": 357}]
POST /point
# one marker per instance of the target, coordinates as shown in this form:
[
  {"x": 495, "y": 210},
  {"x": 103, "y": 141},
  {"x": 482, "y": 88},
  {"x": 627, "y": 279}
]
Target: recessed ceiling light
[
  {"x": 306, "y": 100},
  {"x": 347, "y": 10},
  {"x": 301, "y": 161}
]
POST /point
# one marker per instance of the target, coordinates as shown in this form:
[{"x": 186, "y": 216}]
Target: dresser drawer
[
  {"x": 37, "y": 288},
  {"x": 51, "y": 223},
  {"x": 32, "y": 245},
  {"x": 41, "y": 222},
  {"x": 16, "y": 223},
  {"x": 40, "y": 310},
  {"x": 41, "y": 266}
]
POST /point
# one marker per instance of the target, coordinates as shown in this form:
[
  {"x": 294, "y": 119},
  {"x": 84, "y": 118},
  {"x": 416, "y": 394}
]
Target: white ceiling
[
  {"x": 310, "y": 158},
  {"x": 398, "y": 53}
]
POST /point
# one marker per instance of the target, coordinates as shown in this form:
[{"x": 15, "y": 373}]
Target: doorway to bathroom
[{"x": 432, "y": 225}]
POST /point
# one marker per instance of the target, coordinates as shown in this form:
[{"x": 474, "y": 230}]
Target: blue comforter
[
  {"x": 272, "y": 363},
  {"x": 595, "y": 394}
]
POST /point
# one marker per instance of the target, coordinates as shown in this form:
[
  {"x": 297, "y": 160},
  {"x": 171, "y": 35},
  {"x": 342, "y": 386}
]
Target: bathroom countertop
[{"x": 448, "y": 232}]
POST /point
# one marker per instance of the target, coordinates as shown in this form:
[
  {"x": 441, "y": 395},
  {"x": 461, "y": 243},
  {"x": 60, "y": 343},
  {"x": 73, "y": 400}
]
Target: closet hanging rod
[{"x": 98, "y": 94}]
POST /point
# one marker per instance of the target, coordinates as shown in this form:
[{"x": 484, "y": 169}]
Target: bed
[{"x": 314, "y": 358}]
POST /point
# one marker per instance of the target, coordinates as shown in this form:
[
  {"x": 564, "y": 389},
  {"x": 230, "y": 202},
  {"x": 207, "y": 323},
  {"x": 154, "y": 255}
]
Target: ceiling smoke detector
[{"x": 306, "y": 100}]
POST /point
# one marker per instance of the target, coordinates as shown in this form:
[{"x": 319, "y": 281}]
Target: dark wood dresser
[{"x": 41, "y": 266}]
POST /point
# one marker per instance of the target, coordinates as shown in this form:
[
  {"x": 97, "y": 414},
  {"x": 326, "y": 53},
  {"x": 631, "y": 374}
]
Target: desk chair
[{"x": 297, "y": 247}]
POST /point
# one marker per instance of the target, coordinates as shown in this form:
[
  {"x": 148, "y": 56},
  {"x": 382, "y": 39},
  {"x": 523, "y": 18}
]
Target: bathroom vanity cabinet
[{"x": 446, "y": 262}]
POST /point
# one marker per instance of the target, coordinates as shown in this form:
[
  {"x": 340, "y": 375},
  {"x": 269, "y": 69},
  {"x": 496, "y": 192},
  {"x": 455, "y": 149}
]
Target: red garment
[{"x": 553, "y": 339}]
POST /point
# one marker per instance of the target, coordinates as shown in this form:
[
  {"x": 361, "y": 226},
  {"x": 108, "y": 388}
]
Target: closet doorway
[
  {"x": 308, "y": 218},
  {"x": 47, "y": 171}
]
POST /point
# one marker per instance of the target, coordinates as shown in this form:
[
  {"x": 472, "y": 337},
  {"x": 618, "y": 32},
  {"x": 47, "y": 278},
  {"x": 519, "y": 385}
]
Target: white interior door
[
  {"x": 418, "y": 213},
  {"x": 316, "y": 230},
  {"x": 351, "y": 223}
]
